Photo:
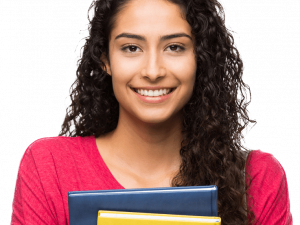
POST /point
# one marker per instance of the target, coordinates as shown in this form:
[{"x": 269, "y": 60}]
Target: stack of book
[{"x": 157, "y": 206}]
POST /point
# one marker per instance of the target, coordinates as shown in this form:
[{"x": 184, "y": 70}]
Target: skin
[{"x": 143, "y": 151}]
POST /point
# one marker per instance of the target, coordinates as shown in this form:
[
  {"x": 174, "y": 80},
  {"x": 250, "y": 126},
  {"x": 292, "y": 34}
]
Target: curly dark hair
[{"x": 214, "y": 117}]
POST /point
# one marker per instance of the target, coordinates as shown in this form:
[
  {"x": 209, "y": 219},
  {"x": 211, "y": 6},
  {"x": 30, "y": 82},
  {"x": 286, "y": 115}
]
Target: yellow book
[{"x": 133, "y": 218}]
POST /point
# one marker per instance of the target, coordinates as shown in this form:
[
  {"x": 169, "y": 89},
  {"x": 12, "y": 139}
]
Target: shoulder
[
  {"x": 52, "y": 143},
  {"x": 49, "y": 169},
  {"x": 57, "y": 145},
  {"x": 259, "y": 163},
  {"x": 49, "y": 151},
  {"x": 43, "y": 152},
  {"x": 268, "y": 191},
  {"x": 60, "y": 160}
]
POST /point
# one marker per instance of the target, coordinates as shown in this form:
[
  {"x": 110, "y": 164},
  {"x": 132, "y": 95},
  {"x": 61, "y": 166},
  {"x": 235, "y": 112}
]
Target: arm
[
  {"x": 269, "y": 190},
  {"x": 30, "y": 205}
]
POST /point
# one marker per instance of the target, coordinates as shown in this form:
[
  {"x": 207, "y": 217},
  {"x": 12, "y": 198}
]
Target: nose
[{"x": 154, "y": 67}]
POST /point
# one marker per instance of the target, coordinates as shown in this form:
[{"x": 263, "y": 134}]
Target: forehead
[{"x": 150, "y": 17}]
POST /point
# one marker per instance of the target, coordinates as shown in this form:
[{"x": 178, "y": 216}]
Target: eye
[
  {"x": 132, "y": 47},
  {"x": 174, "y": 47}
]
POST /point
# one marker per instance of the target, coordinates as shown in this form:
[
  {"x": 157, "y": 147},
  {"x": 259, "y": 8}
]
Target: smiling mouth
[{"x": 135, "y": 90}]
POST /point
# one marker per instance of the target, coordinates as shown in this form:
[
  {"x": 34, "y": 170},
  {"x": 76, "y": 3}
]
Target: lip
[
  {"x": 152, "y": 87},
  {"x": 158, "y": 99}
]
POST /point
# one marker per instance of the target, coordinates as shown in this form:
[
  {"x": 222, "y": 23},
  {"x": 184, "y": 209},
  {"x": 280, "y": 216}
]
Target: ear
[{"x": 104, "y": 59}]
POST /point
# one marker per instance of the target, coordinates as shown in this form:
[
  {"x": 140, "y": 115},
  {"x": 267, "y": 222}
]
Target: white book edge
[
  {"x": 140, "y": 190},
  {"x": 130, "y": 216}
]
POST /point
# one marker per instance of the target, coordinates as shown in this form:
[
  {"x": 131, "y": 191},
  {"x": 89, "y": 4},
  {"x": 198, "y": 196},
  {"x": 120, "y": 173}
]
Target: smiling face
[{"x": 151, "y": 47}]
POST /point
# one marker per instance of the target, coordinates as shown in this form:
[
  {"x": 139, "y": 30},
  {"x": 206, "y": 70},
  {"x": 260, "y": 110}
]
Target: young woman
[{"x": 158, "y": 102}]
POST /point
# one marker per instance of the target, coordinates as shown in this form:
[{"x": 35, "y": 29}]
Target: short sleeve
[
  {"x": 269, "y": 189},
  {"x": 30, "y": 205}
]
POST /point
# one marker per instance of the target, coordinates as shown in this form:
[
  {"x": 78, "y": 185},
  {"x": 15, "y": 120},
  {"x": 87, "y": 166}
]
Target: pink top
[{"x": 51, "y": 167}]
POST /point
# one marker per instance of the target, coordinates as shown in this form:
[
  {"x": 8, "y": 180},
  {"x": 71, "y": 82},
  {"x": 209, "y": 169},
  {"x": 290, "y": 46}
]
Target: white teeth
[{"x": 153, "y": 93}]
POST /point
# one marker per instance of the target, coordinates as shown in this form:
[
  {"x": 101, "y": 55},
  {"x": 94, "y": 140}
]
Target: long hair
[{"x": 214, "y": 117}]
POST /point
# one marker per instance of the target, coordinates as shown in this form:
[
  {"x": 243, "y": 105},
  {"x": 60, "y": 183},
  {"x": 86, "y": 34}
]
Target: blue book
[{"x": 188, "y": 200}]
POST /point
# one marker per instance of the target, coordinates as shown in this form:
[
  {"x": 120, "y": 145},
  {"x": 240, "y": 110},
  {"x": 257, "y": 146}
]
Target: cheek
[
  {"x": 185, "y": 70},
  {"x": 188, "y": 74},
  {"x": 188, "y": 84}
]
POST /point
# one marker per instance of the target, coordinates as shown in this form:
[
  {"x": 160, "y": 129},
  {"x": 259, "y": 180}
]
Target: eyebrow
[{"x": 162, "y": 38}]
